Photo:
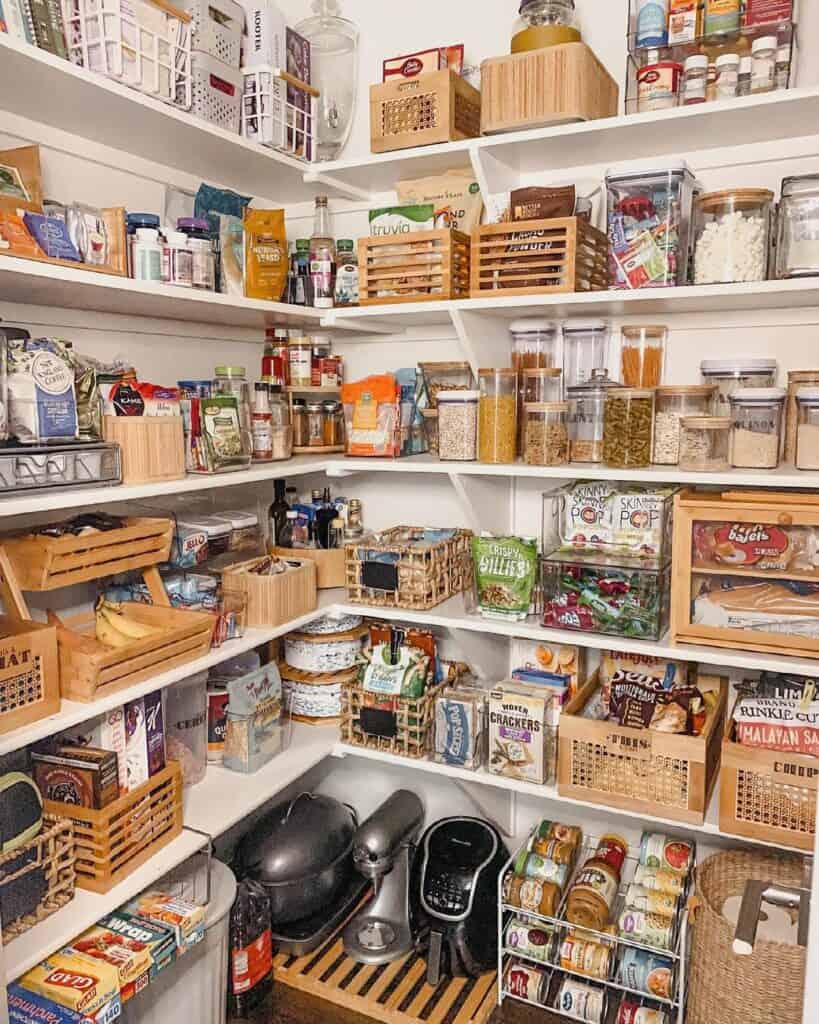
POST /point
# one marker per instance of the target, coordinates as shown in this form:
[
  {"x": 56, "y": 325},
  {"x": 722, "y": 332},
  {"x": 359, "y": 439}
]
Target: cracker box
[
  {"x": 74, "y": 980},
  {"x": 27, "y": 1008},
  {"x": 185, "y": 919},
  {"x": 559, "y": 659},
  {"x": 521, "y": 743}
]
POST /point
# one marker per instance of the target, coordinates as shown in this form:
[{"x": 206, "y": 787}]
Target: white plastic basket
[
  {"x": 279, "y": 111},
  {"x": 217, "y": 29},
  {"x": 138, "y": 42},
  {"x": 216, "y": 91}
]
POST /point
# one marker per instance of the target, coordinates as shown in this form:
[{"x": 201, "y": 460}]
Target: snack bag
[{"x": 505, "y": 575}]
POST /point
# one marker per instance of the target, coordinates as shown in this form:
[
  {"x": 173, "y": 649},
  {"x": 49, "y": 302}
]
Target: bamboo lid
[
  {"x": 741, "y": 197},
  {"x": 672, "y": 390},
  {"x": 706, "y": 422}
]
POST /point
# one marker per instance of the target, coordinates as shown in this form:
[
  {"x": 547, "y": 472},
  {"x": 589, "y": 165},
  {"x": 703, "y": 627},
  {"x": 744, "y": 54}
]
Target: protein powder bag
[{"x": 42, "y": 402}]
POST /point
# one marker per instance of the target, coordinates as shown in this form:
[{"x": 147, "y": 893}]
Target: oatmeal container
[
  {"x": 807, "y": 428},
  {"x": 673, "y": 404},
  {"x": 458, "y": 425},
  {"x": 705, "y": 444},
  {"x": 756, "y": 427}
]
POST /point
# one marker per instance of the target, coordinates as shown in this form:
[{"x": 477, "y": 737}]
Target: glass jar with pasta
[
  {"x": 497, "y": 415},
  {"x": 642, "y": 356},
  {"x": 627, "y": 427}
]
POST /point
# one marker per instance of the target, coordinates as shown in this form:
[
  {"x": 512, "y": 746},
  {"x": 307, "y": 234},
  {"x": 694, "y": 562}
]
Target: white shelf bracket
[
  {"x": 480, "y": 499},
  {"x": 497, "y": 805},
  {"x": 340, "y": 188},
  {"x": 484, "y": 339}
]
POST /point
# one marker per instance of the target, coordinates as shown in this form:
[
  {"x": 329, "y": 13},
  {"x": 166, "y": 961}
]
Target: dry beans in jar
[
  {"x": 704, "y": 444},
  {"x": 627, "y": 427},
  {"x": 457, "y": 425},
  {"x": 545, "y": 433}
]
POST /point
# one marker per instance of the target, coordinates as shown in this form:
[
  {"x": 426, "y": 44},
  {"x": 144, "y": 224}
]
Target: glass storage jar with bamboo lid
[
  {"x": 732, "y": 231},
  {"x": 627, "y": 426},
  {"x": 705, "y": 444},
  {"x": 544, "y": 384},
  {"x": 671, "y": 404},
  {"x": 642, "y": 355},
  {"x": 587, "y": 403},
  {"x": 756, "y": 427},
  {"x": 497, "y": 415},
  {"x": 546, "y": 433},
  {"x": 548, "y": 23},
  {"x": 798, "y": 380},
  {"x": 458, "y": 425},
  {"x": 534, "y": 343},
  {"x": 807, "y": 429}
]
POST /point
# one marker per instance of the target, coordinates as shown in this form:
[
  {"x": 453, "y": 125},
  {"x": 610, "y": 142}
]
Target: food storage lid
[
  {"x": 314, "y": 407},
  {"x": 741, "y": 197},
  {"x": 764, "y": 43},
  {"x": 488, "y": 371},
  {"x": 648, "y": 171},
  {"x": 599, "y": 382},
  {"x": 543, "y": 372},
  {"x": 192, "y": 224},
  {"x": 546, "y": 406},
  {"x": 757, "y": 396},
  {"x": 644, "y": 331},
  {"x": 799, "y": 184},
  {"x": 532, "y": 325},
  {"x": 213, "y": 526},
  {"x": 672, "y": 390},
  {"x": 729, "y": 366},
  {"x": 696, "y": 60},
  {"x": 239, "y": 520},
  {"x": 230, "y": 371},
  {"x": 458, "y": 396},
  {"x": 706, "y": 422},
  {"x": 628, "y": 393},
  {"x": 141, "y": 220},
  {"x": 725, "y": 59},
  {"x": 807, "y": 395},
  {"x": 584, "y": 326}
]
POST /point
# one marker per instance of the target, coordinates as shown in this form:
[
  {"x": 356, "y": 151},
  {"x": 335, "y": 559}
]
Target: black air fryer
[{"x": 455, "y": 897}]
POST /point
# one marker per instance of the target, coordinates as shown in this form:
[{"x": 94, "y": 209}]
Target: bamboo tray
[
  {"x": 47, "y": 563},
  {"x": 115, "y": 841}
]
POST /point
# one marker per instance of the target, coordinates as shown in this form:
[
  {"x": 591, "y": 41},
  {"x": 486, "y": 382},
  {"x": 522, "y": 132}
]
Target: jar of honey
[{"x": 548, "y": 23}]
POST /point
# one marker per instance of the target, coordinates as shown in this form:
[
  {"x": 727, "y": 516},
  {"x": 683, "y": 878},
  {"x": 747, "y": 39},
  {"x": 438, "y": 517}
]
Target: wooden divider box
[
  {"x": 423, "y": 266},
  {"x": 438, "y": 106},
  {"x": 152, "y": 447},
  {"x": 330, "y": 564},
  {"x": 276, "y": 599}
]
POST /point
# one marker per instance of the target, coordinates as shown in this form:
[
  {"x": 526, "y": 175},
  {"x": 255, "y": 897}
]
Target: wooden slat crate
[
  {"x": 115, "y": 841},
  {"x": 52, "y": 852},
  {"x": 395, "y": 993},
  {"x": 152, "y": 447},
  {"x": 640, "y": 770},
  {"x": 89, "y": 668},
  {"x": 273, "y": 600},
  {"x": 29, "y": 676},
  {"x": 46, "y": 563},
  {"x": 537, "y": 257},
  {"x": 414, "y": 722},
  {"x": 439, "y": 106},
  {"x": 423, "y": 266}
]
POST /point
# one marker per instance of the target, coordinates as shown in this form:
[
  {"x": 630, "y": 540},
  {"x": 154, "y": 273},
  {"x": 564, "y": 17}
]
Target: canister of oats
[
  {"x": 528, "y": 940},
  {"x": 652, "y": 901},
  {"x": 648, "y": 929},
  {"x": 646, "y": 972},
  {"x": 583, "y": 1002},
  {"x": 632, "y": 1013},
  {"x": 661, "y": 879},
  {"x": 532, "y": 865},
  {"x": 659, "y": 851},
  {"x": 531, "y": 894},
  {"x": 584, "y": 956},
  {"x": 527, "y": 982}
]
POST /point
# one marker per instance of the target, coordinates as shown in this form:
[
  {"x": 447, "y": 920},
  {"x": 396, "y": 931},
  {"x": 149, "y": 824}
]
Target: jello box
[
  {"x": 27, "y": 1008},
  {"x": 185, "y": 919},
  {"x": 74, "y": 981}
]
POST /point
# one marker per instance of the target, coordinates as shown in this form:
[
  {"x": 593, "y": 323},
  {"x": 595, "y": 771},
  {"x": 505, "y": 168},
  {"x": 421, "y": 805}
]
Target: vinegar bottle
[{"x": 322, "y": 257}]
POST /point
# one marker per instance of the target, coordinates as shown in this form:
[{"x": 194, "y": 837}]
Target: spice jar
[
  {"x": 797, "y": 380},
  {"x": 704, "y": 444},
  {"x": 642, "y": 355},
  {"x": 332, "y": 423},
  {"x": 763, "y": 68},
  {"x": 300, "y": 436},
  {"x": 300, "y": 361},
  {"x": 756, "y": 427},
  {"x": 726, "y": 77},
  {"x": 695, "y": 77},
  {"x": 797, "y": 245},
  {"x": 545, "y": 433},
  {"x": 497, "y": 415},
  {"x": 548, "y": 23},
  {"x": 585, "y": 347},
  {"x": 730, "y": 374},
  {"x": 732, "y": 235},
  {"x": 672, "y": 404},
  {"x": 586, "y": 416},
  {"x": 807, "y": 430},
  {"x": 534, "y": 343},
  {"x": 627, "y": 422},
  {"x": 458, "y": 425},
  {"x": 315, "y": 425}
]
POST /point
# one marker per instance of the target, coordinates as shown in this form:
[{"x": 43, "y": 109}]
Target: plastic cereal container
[{"x": 756, "y": 428}]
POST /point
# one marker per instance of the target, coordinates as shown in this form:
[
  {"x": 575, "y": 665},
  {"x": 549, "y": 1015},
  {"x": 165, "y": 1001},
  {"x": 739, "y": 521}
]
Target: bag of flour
[{"x": 42, "y": 402}]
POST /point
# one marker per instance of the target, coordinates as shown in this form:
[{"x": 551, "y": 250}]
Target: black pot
[{"x": 302, "y": 854}]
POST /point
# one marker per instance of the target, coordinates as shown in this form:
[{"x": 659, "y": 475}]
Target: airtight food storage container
[
  {"x": 458, "y": 425},
  {"x": 585, "y": 347},
  {"x": 730, "y": 374},
  {"x": 705, "y": 444},
  {"x": 732, "y": 235},
  {"x": 545, "y": 433},
  {"x": 587, "y": 403},
  {"x": 534, "y": 343},
  {"x": 807, "y": 428},
  {"x": 672, "y": 404},
  {"x": 756, "y": 427},
  {"x": 497, "y": 416},
  {"x": 627, "y": 426},
  {"x": 797, "y": 246}
]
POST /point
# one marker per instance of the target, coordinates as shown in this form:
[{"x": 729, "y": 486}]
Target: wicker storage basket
[
  {"x": 53, "y": 853},
  {"x": 421, "y": 575},
  {"x": 724, "y": 988},
  {"x": 414, "y": 722}
]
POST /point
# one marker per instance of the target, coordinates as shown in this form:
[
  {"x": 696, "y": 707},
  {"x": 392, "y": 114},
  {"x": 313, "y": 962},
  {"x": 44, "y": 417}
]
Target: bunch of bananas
[{"x": 114, "y": 628}]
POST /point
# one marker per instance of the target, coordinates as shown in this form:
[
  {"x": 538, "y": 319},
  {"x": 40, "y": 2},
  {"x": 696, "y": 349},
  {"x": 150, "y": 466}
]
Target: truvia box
[{"x": 521, "y": 741}]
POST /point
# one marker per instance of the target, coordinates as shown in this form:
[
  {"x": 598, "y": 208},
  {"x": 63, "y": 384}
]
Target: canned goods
[
  {"x": 661, "y": 879},
  {"x": 557, "y": 850},
  {"x": 532, "y": 894},
  {"x": 528, "y": 940},
  {"x": 585, "y": 957},
  {"x": 652, "y": 901},
  {"x": 549, "y": 830},
  {"x": 592, "y": 895},
  {"x": 659, "y": 851},
  {"x": 647, "y": 929},
  {"x": 646, "y": 972},
  {"x": 532, "y": 865},
  {"x": 613, "y": 850},
  {"x": 581, "y": 1001},
  {"x": 527, "y": 982},
  {"x": 632, "y": 1013}
]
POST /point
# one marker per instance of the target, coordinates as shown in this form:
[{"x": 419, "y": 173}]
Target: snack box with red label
[
  {"x": 185, "y": 919},
  {"x": 27, "y": 1008},
  {"x": 138, "y": 949},
  {"x": 75, "y": 981}
]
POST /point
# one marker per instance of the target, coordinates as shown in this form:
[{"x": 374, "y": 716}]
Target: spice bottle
[
  {"x": 322, "y": 257},
  {"x": 763, "y": 74},
  {"x": 346, "y": 274},
  {"x": 299, "y": 423},
  {"x": 262, "y": 424},
  {"x": 783, "y": 66},
  {"x": 315, "y": 425},
  {"x": 695, "y": 77},
  {"x": 727, "y": 76}
]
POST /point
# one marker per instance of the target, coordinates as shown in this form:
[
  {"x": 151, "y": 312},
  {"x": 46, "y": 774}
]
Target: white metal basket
[
  {"x": 142, "y": 43},
  {"x": 279, "y": 111},
  {"x": 217, "y": 29},
  {"x": 216, "y": 91}
]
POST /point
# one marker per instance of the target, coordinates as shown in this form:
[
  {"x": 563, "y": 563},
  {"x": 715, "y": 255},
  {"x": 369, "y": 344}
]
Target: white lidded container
[
  {"x": 194, "y": 988},
  {"x": 730, "y": 374}
]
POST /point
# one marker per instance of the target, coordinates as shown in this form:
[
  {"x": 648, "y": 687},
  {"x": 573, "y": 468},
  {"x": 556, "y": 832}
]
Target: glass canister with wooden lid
[
  {"x": 733, "y": 235},
  {"x": 545, "y": 433},
  {"x": 672, "y": 404},
  {"x": 497, "y": 415},
  {"x": 627, "y": 427},
  {"x": 587, "y": 404},
  {"x": 547, "y": 23},
  {"x": 539, "y": 384}
]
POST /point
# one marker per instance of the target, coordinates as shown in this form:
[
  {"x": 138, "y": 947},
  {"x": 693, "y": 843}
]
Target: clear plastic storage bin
[{"x": 732, "y": 235}]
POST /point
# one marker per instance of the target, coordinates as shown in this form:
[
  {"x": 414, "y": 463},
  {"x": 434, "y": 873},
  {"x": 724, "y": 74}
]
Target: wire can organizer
[
  {"x": 552, "y": 973},
  {"x": 280, "y": 111},
  {"x": 145, "y": 44}
]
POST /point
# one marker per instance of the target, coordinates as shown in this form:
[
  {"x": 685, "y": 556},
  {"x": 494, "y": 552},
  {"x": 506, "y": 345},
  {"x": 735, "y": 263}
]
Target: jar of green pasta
[{"x": 628, "y": 420}]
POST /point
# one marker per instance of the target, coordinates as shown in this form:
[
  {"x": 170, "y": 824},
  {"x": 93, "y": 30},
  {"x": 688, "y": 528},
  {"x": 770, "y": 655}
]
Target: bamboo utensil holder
[
  {"x": 113, "y": 842},
  {"x": 539, "y": 257},
  {"x": 439, "y": 106},
  {"x": 422, "y": 266},
  {"x": 274, "y": 600},
  {"x": 555, "y": 85},
  {"x": 152, "y": 447}
]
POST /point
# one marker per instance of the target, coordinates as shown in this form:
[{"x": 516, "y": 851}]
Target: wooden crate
[
  {"x": 539, "y": 257},
  {"x": 773, "y": 510},
  {"x": 330, "y": 565},
  {"x": 555, "y": 85},
  {"x": 767, "y": 795},
  {"x": 46, "y": 563},
  {"x": 438, "y": 106},
  {"x": 640, "y": 770},
  {"x": 29, "y": 671},
  {"x": 152, "y": 447},
  {"x": 115, "y": 841},
  {"x": 423, "y": 266},
  {"x": 89, "y": 669},
  {"x": 414, "y": 722},
  {"x": 423, "y": 575},
  {"x": 52, "y": 852},
  {"x": 274, "y": 600}
]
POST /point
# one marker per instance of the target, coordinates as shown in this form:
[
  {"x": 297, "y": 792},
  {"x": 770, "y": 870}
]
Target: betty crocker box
[{"x": 27, "y": 1008}]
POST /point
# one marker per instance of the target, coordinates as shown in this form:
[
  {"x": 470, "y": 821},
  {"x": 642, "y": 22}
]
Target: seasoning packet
[
  {"x": 505, "y": 575},
  {"x": 221, "y": 432},
  {"x": 266, "y": 257},
  {"x": 455, "y": 196}
]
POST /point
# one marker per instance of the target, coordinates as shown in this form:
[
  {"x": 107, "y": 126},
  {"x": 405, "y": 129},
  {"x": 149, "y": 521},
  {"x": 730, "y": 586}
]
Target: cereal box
[
  {"x": 521, "y": 745},
  {"x": 74, "y": 980},
  {"x": 27, "y": 1008},
  {"x": 560, "y": 659},
  {"x": 186, "y": 919}
]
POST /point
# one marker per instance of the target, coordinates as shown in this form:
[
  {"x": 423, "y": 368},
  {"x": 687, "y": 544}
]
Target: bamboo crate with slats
[
  {"x": 113, "y": 842},
  {"x": 47, "y": 563},
  {"x": 51, "y": 853},
  {"x": 537, "y": 257},
  {"x": 438, "y": 106},
  {"x": 152, "y": 447},
  {"x": 29, "y": 670},
  {"x": 423, "y": 266}
]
